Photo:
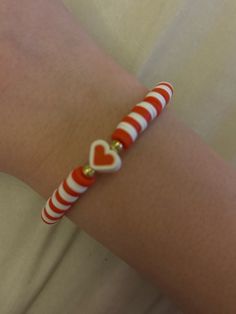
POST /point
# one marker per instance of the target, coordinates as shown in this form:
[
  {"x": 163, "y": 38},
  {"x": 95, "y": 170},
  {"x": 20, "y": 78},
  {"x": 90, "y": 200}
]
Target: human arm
[{"x": 58, "y": 89}]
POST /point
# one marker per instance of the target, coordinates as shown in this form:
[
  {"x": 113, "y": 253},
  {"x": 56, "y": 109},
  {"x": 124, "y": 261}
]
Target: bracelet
[{"x": 105, "y": 157}]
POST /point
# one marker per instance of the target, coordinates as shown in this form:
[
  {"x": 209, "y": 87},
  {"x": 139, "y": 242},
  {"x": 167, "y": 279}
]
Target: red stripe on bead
[
  {"x": 69, "y": 190},
  {"x": 80, "y": 178},
  {"x": 50, "y": 217},
  {"x": 61, "y": 200},
  {"x": 49, "y": 223},
  {"x": 155, "y": 102},
  {"x": 163, "y": 92},
  {"x": 123, "y": 137},
  {"x": 133, "y": 122},
  {"x": 167, "y": 84},
  {"x": 143, "y": 112},
  {"x": 54, "y": 208}
]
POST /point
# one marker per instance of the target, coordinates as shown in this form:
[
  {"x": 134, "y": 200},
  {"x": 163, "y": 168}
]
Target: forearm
[{"x": 169, "y": 212}]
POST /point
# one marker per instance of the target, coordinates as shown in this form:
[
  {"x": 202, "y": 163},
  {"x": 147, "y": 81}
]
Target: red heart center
[{"x": 101, "y": 158}]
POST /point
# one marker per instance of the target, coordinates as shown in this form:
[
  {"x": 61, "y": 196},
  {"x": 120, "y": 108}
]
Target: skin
[{"x": 169, "y": 212}]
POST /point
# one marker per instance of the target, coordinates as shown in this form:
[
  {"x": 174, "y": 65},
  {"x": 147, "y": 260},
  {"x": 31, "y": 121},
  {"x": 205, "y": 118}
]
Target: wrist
[{"x": 67, "y": 145}]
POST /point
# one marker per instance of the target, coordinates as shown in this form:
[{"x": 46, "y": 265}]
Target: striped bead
[
  {"x": 139, "y": 119},
  {"x": 167, "y": 84},
  {"x": 149, "y": 108},
  {"x": 45, "y": 218},
  {"x": 56, "y": 206},
  {"x": 66, "y": 195},
  {"x": 144, "y": 112},
  {"x": 164, "y": 91},
  {"x": 132, "y": 122},
  {"x": 50, "y": 210},
  {"x": 59, "y": 202},
  {"x": 127, "y": 127},
  {"x": 81, "y": 180},
  {"x": 123, "y": 137},
  {"x": 157, "y": 97}
]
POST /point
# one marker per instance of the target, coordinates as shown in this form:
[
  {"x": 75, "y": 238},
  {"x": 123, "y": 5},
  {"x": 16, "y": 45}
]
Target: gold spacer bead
[
  {"x": 88, "y": 171},
  {"x": 116, "y": 146}
]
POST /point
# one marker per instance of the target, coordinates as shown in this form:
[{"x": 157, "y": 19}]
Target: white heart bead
[{"x": 100, "y": 153}]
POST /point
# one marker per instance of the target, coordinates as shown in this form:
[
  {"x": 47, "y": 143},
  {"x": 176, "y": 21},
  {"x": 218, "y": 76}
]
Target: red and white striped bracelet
[{"x": 104, "y": 157}]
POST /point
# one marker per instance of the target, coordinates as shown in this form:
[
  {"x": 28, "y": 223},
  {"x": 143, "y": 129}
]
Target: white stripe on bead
[
  {"x": 74, "y": 185},
  {"x": 166, "y": 88},
  {"x": 159, "y": 97},
  {"x": 139, "y": 119},
  {"x": 167, "y": 84},
  {"x": 47, "y": 219},
  {"x": 51, "y": 212},
  {"x": 150, "y": 108},
  {"x": 67, "y": 197},
  {"x": 57, "y": 204},
  {"x": 129, "y": 129}
]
